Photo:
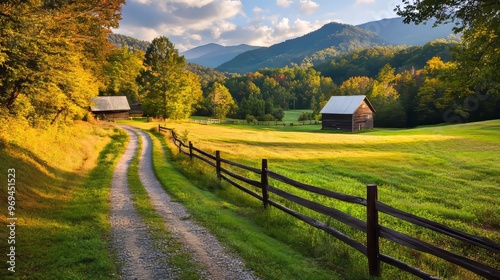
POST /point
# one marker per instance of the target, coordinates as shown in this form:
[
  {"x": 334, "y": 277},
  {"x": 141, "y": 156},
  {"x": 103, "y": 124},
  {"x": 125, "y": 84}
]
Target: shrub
[
  {"x": 305, "y": 116},
  {"x": 250, "y": 119}
]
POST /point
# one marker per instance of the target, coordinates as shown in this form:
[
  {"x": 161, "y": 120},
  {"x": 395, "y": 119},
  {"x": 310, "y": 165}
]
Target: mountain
[
  {"x": 213, "y": 55},
  {"x": 340, "y": 38},
  {"x": 121, "y": 41},
  {"x": 396, "y": 32}
]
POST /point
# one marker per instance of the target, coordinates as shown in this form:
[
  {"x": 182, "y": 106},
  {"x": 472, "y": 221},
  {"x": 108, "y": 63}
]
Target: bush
[
  {"x": 268, "y": 117},
  {"x": 306, "y": 116},
  {"x": 278, "y": 114},
  {"x": 250, "y": 119}
]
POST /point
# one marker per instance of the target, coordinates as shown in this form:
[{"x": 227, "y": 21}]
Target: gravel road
[{"x": 134, "y": 246}]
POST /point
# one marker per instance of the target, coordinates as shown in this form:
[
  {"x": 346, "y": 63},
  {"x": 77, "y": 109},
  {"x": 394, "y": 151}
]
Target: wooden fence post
[
  {"x": 372, "y": 233},
  {"x": 159, "y": 128},
  {"x": 264, "y": 183},
  {"x": 190, "y": 150},
  {"x": 217, "y": 164}
]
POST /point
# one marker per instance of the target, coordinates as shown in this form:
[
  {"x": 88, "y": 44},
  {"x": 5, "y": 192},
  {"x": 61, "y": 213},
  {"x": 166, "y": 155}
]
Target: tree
[
  {"x": 479, "y": 54},
  {"x": 51, "y": 53},
  {"x": 357, "y": 86},
  {"x": 168, "y": 91},
  {"x": 221, "y": 101},
  {"x": 121, "y": 71}
]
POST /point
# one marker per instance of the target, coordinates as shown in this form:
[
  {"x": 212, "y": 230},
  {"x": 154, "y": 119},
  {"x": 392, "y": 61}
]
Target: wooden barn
[
  {"x": 110, "y": 107},
  {"x": 347, "y": 113},
  {"x": 136, "y": 110}
]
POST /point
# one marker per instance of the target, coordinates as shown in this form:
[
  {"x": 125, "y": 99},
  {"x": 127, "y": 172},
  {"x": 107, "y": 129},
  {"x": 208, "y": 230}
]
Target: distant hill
[
  {"x": 337, "y": 37},
  {"x": 207, "y": 75},
  {"x": 121, "y": 41},
  {"x": 213, "y": 55},
  {"x": 396, "y": 32}
]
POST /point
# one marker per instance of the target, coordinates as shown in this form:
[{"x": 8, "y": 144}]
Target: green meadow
[{"x": 448, "y": 173}]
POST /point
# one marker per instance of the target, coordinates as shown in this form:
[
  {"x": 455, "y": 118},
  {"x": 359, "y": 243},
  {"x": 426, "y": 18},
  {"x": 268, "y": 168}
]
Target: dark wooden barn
[
  {"x": 136, "y": 110},
  {"x": 110, "y": 107},
  {"x": 348, "y": 113}
]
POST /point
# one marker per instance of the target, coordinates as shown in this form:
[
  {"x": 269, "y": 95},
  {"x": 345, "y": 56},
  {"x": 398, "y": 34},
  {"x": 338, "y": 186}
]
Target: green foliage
[
  {"x": 123, "y": 66},
  {"x": 51, "y": 56},
  {"x": 122, "y": 41},
  {"x": 220, "y": 101},
  {"x": 369, "y": 61},
  {"x": 167, "y": 90},
  {"x": 306, "y": 116},
  {"x": 479, "y": 21}
]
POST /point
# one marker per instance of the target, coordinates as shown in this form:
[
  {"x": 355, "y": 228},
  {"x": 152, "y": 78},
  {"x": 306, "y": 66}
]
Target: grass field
[
  {"x": 449, "y": 174},
  {"x": 62, "y": 179}
]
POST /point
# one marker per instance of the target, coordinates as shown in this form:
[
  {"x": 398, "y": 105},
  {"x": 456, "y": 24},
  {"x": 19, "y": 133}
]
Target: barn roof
[
  {"x": 110, "y": 103},
  {"x": 345, "y": 104}
]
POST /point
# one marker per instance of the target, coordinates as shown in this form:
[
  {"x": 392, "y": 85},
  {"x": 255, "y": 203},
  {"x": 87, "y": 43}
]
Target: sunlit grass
[
  {"x": 447, "y": 173},
  {"x": 62, "y": 186}
]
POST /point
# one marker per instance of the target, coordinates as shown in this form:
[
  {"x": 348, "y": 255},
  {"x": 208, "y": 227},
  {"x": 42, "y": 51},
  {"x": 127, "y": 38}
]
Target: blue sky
[{"x": 191, "y": 23}]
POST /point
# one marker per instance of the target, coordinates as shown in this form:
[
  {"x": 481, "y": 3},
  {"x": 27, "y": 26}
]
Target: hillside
[
  {"x": 213, "y": 55},
  {"x": 368, "y": 62},
  {"x": 121, "y": 41},
  {"x": 342, "y": 37},
  {"x": 62, "y": 174},
  {"x": 396, "y": 32}
]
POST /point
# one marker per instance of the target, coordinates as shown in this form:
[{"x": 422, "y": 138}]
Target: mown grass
[
  {"x": 62, "y": 187},
  {"x": 179, "y": 260},
  {"x": 293, "y": 115},
  {"x": 449, "y": 174}
]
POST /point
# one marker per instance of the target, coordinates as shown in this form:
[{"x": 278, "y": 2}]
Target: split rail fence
[{"x": 371, "y": 227}]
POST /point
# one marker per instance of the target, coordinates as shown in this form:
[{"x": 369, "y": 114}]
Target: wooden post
[
  {"x": 372, "y": 234},
  {"x": 217, "y": 164},
  {"x": 190, "y": 150},
  {"x": 159, "y": 128},
  {"x": 264, "y": 183}
]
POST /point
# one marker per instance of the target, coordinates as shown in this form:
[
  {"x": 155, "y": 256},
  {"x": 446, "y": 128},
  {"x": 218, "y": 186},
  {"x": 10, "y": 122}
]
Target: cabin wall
[
  {"x": 337, "y": 121},
  {"x": 112, "y": 114},
  {"x": 362, "y": 118}
]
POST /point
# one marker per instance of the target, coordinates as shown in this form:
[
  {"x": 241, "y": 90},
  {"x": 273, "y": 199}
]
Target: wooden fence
[
  {"x": 265, "y": 123},
  {"x": 371, "y": 227}
]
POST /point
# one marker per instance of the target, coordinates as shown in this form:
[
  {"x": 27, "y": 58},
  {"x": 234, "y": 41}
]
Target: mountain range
[
  {"x": 212, "y": 55},
  {"x": 342, "y": 37},
  {"x": 324, "y": 44}
]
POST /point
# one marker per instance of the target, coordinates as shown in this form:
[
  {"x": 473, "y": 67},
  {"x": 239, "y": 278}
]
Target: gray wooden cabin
[
  {"x": 347, "y": 113},
  {"x": 110, "y": 107}
]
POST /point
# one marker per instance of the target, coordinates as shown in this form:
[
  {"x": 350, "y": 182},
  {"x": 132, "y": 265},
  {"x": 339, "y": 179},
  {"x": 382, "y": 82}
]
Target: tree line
[{"x": 55, "y": 56}]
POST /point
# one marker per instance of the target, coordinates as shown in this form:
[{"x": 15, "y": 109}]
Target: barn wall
[
  {"x": 112, "y": 115},
  {"x": 337, "y": 121},
  {"x": 363, "y": 118}
]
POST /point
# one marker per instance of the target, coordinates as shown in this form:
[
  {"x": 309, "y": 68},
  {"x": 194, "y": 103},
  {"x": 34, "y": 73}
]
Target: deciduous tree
[{"x": 167, "y": 89}]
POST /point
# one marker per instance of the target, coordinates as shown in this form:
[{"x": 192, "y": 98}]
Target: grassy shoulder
[
  {"x": 62, "y": 179},
  {"x": 266, "y": 256}
]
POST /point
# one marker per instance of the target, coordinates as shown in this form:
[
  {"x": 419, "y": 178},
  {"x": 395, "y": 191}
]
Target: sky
[{"x": 192, "y": 23}]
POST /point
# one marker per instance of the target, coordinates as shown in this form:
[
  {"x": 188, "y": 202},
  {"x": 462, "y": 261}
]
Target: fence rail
[
  {"x": 265, "y": 123},
  {"x": 371, "y": 227}
]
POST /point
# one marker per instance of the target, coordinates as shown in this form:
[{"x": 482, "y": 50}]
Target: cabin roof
[
  {"x": 110, "y": 103},
  {"x": 345, "y": 104}
]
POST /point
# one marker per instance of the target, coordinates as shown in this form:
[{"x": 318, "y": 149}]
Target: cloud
[
  {"x": 257, "y": 10},
  {"x": 284, "y": 3},
  {"x": 183, "y": 18},
  {"x": 266, "y": 35},
  {"x": 191, "y": 23},
  {"x": 308, "y": 7}
]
